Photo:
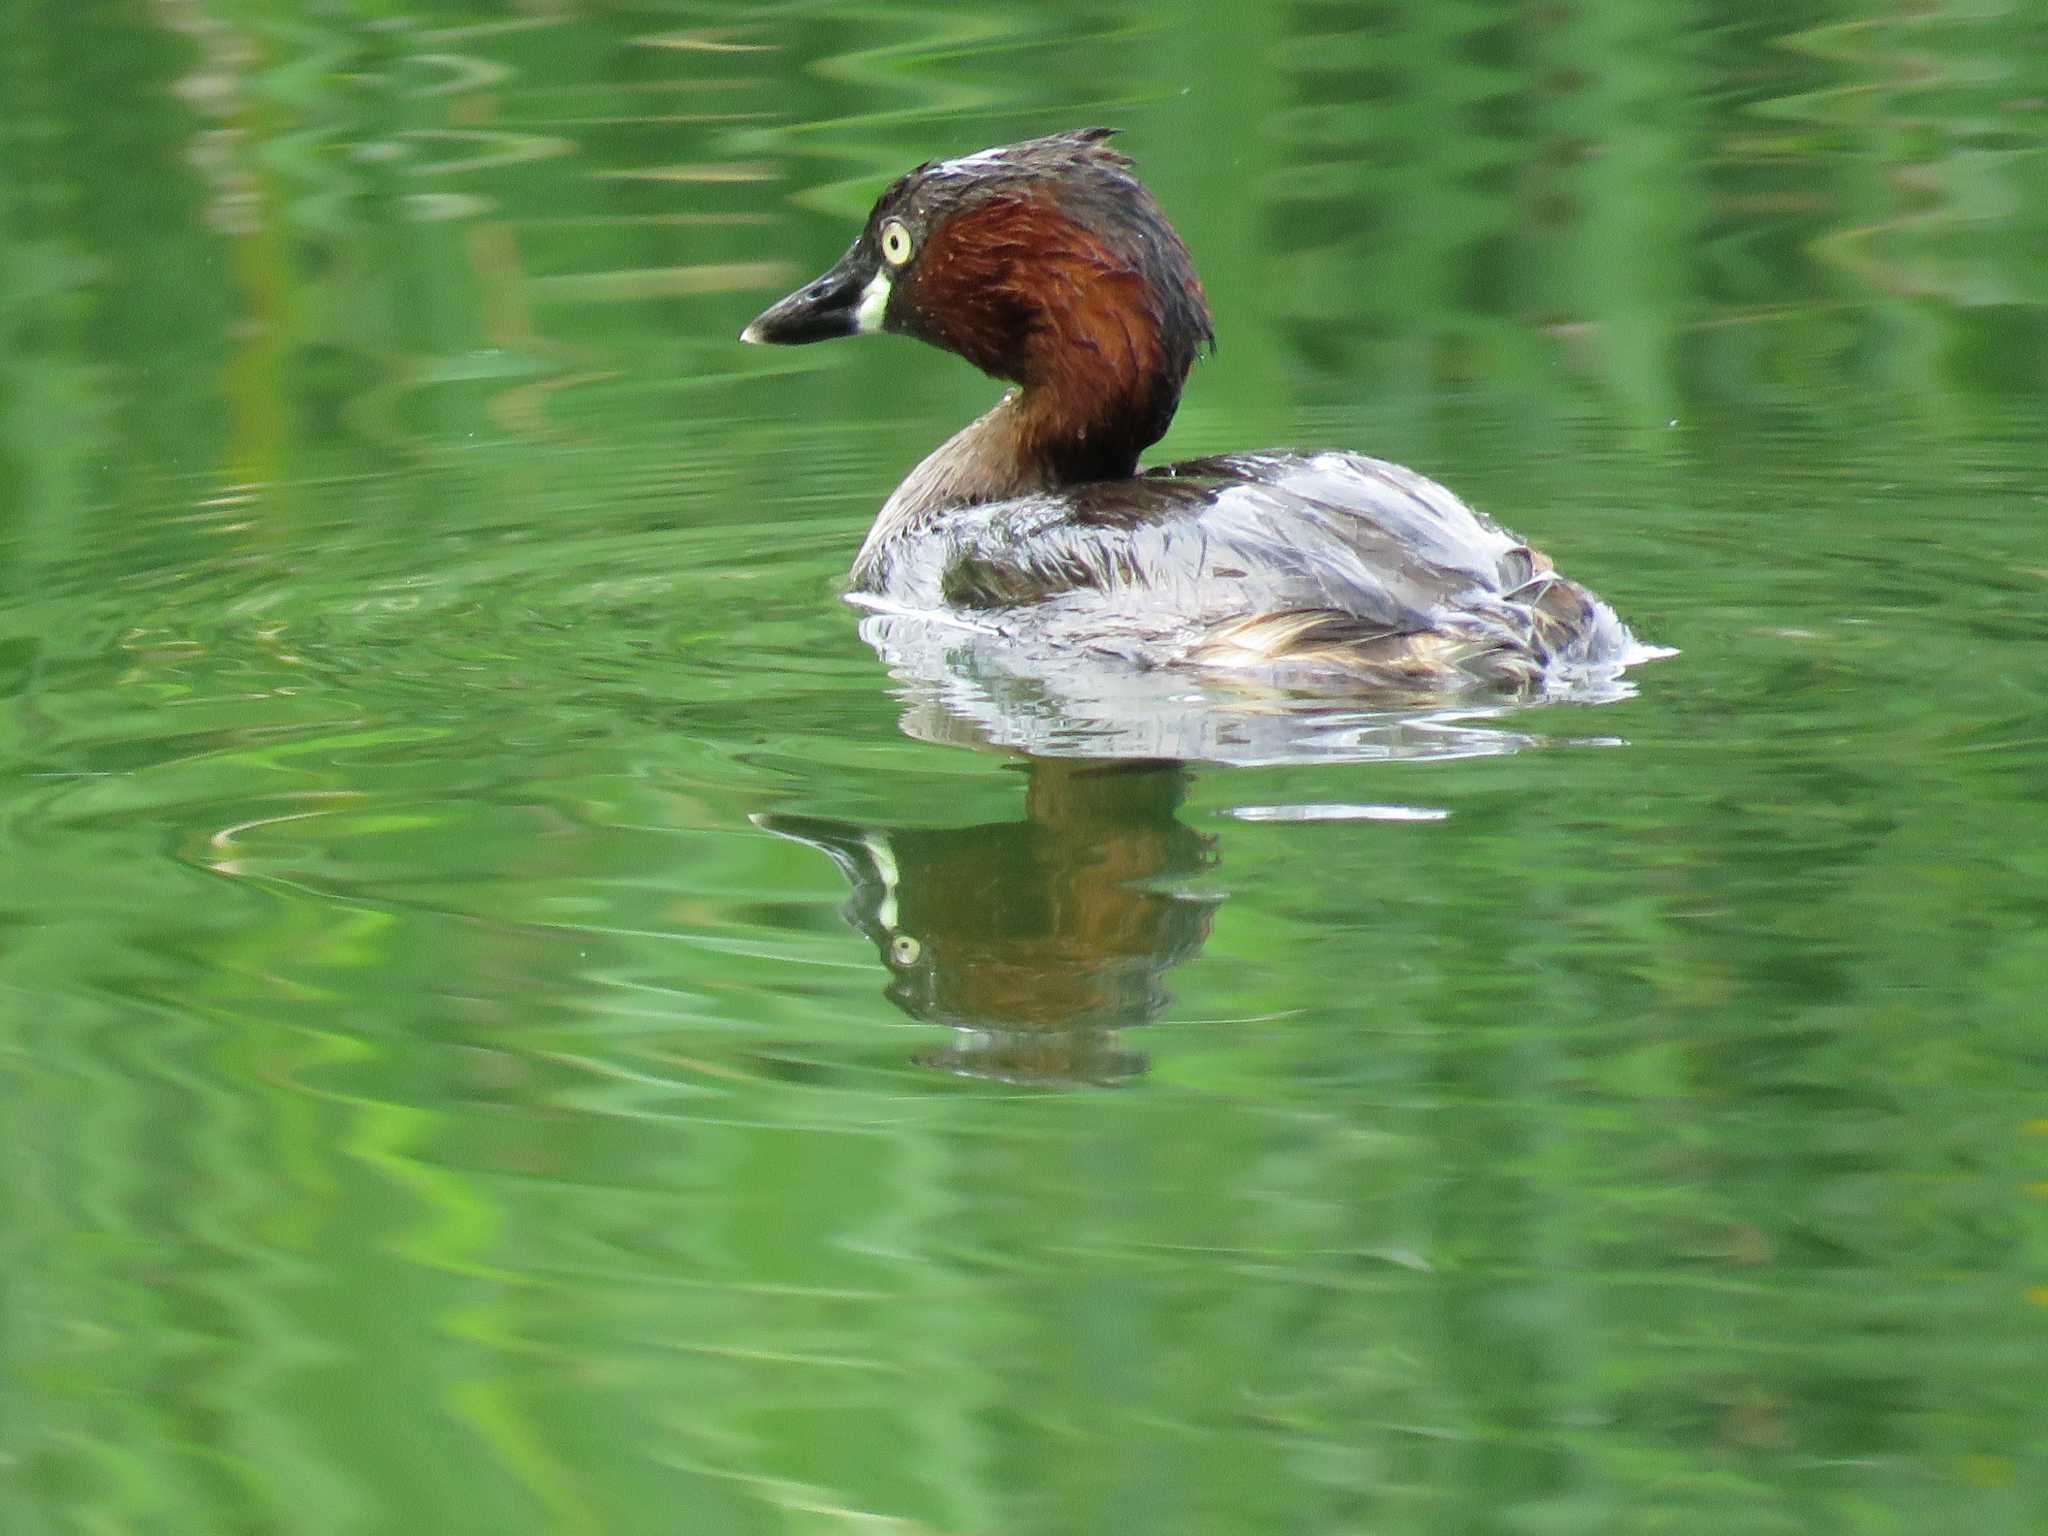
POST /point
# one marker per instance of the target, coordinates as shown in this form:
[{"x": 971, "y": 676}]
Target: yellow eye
[
  {"x": 904, "y": 950},
  {"x": 896, "y": 242}
]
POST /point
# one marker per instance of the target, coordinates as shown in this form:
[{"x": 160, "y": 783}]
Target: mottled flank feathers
[{"x": 1328, "y": 564}]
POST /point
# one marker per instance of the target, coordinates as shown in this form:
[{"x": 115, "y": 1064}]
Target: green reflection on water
[{"x": 435, "y": 1104}]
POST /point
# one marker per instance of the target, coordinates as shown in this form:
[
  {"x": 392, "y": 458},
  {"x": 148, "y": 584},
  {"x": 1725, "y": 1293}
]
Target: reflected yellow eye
[{"x": 896, "y": 242}]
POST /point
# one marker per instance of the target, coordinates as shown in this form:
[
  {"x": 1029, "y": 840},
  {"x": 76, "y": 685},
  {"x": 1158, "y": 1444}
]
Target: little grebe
[{"x": 1047, "y": 263}]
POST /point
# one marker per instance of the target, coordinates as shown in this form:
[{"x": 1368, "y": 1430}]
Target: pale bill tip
[{"x": 752, "y": 334}]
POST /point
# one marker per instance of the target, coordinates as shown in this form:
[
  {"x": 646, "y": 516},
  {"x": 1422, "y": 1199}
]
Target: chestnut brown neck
[
  {"x": 1095, "y": 313},
  {"x": 1090, "y": 315}
]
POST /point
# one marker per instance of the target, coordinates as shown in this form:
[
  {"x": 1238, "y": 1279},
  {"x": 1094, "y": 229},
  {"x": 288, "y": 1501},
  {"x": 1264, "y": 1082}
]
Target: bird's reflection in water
[{"x": 1034, "y": 941}]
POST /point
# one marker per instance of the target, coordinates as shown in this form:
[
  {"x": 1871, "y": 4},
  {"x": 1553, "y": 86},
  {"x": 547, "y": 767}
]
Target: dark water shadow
[{"x": 1034, "y": 941}]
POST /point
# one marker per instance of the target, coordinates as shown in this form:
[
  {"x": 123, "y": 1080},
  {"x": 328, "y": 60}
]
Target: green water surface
[{"x": 462, "y": 1070}]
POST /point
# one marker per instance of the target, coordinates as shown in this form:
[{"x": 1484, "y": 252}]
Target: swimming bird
[{"x": 1049, "y": 265}]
